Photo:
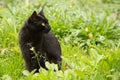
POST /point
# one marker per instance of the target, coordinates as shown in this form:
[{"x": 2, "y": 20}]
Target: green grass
[{"x": 88, "y": 30}]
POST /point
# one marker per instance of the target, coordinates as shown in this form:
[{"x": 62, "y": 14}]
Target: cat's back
[
  {"x": 49, "y": 36},
  {"x": 51, "y": 43}
]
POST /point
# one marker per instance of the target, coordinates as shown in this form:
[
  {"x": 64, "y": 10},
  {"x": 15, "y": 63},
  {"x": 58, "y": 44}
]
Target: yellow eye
[{"x": 43, "y": 24}]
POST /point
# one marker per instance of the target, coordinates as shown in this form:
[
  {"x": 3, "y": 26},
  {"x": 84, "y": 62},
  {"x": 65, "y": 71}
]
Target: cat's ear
[
  {"x": 33, "y": 17},
  {"x": 41, "y": 12},
  {"x": 34, "y": 14}
]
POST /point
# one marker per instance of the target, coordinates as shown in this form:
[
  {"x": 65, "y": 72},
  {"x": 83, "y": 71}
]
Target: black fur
[{"x": 36, "y": 33}]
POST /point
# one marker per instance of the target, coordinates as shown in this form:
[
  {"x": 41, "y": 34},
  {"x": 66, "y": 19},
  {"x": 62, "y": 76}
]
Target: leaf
[
  {"x": 6, "y": 77},
  {"x": 51, "y": 66},
  {"x": 26, "y": 72}
]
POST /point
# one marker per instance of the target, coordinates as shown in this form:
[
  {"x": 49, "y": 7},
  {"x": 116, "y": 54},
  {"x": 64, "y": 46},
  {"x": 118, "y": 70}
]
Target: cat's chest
[{"x": 36, "y": 39}]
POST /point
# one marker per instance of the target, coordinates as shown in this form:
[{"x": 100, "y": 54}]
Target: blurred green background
[{"x": 88, "y": 31}]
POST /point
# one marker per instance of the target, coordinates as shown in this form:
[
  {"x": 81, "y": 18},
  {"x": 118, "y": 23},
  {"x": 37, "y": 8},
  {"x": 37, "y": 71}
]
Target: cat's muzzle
[{"x": 47, "y": 30}]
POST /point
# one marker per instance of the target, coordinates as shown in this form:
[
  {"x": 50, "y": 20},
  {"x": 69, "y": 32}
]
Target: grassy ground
[{"x": 88, "y": 30}]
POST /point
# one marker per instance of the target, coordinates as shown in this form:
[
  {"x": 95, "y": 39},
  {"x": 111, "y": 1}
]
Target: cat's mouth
[{"x": 46, "y": 30}]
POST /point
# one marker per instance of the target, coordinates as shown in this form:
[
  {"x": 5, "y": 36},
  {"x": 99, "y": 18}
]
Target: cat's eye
[{"x": 43, "y": 24}]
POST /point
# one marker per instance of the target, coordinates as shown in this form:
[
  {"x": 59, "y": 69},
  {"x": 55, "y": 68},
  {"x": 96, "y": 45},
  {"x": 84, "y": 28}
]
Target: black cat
[{"x": 36, "y": 34}]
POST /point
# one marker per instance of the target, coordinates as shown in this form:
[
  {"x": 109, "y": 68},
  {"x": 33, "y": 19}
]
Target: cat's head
[{"x": 38, "y": 22}]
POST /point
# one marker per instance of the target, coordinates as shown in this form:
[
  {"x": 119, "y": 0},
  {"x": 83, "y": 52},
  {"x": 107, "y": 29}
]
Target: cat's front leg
[
  {"x": 29, "y": 57},
  {"x": 42, "y": 59}
]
